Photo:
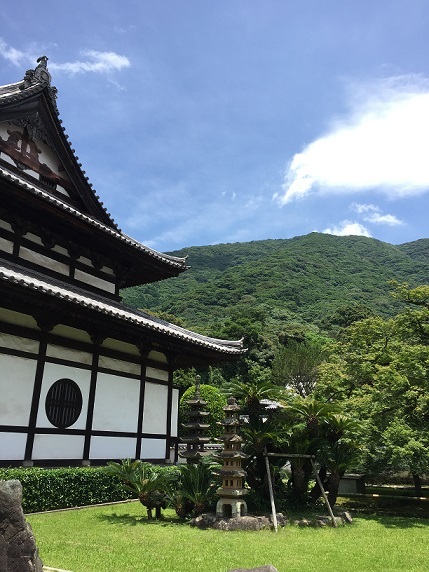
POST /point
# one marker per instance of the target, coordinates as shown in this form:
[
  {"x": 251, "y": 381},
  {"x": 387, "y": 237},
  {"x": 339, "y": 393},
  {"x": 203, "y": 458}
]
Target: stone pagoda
[
  {"x": 196, "y": 427},
  {"x": 231, "y": 502}
]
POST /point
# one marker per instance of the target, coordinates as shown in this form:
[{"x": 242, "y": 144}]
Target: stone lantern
[
  {"x": 231, "y": 502},
  {"x": 196, "y": 427}
]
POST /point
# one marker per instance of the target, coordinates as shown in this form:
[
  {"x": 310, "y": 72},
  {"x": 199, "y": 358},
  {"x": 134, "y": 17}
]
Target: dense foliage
[
  {"x": 303, "y": 280},
  {"x": 49, "y": 489}
]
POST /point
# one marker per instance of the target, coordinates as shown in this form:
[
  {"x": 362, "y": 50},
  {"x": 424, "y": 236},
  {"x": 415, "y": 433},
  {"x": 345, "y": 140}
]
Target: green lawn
[{"x": 119, "y": 539}]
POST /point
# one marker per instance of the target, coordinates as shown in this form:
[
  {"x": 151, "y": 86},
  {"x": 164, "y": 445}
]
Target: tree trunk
[
  {"x": 316, "y": 491},
  {"x": 417, "y": 485},
  {"x": 333, "y": 485}
]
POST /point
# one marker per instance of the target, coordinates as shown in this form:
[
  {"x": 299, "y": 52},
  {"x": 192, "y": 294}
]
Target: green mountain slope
[{"x": 303, "y": 279}]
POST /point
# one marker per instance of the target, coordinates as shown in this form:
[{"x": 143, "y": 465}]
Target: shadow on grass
[
  {"x": 397, "y": 521},
  {"x": 133, "y": 520}
]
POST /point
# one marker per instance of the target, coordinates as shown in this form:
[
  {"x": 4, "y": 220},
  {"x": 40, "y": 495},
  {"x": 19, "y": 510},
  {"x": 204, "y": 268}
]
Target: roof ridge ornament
[
  {"x": 41, "y": 75},
  {"x": 41, "y": 72}
]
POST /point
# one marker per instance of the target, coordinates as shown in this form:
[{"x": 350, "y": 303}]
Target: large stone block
[
  {"x": 267, "y": 568},
  {"x": 18, "y": 551}
]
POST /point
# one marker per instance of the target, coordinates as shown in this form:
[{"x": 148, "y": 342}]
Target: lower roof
[{"x": 204, "y": 348}]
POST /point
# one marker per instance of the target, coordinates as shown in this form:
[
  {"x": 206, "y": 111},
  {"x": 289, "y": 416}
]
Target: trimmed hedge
[{"x": 49, "y": 489}]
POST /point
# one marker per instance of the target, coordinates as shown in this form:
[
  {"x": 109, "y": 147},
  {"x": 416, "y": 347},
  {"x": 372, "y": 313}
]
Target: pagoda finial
[{"x": 197, "y": 386}]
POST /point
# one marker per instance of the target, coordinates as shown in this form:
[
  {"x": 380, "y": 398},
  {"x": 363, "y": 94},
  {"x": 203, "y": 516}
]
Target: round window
[{"x": 63, "y": 403}]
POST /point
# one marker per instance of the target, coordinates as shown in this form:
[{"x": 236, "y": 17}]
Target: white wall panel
[
  {"x": 52, "y": 373},
  {"x": 44, "y": 261},
  {"x": 174, "y": 412},
  {"x": 61, "y": 352},
  {"x": 6, "y": 245},
  {"x": 12, "y": 446},
  {"x": 112, "y": 447},
  {"x": 157, "y": 356},
  {"x": 156, "y": 373},
  {"x": 119, "y": 365},
  {"x": 16, "y": 389},
  {"x": 120, "y": 346},
  {"x": 155, "y": 408},
  {"x": 94, "y": 281},
  {"x": 6, "y": 225},
  {"x": 17, "y": 318},
  {"x": 116, "y": 405},
  {"x": 58, "y": 447},
  {"x": 73, "y": 333},
  {"x": 18, "y": 343},
  {"x": 153, "y": 449}
]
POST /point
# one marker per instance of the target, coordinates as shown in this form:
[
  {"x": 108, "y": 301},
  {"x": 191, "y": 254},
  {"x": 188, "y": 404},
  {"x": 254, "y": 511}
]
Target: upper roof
[{"x": 30, "y": 105}]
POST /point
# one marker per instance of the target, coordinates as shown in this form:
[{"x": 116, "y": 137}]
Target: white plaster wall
[
  {"x": 6, "y": 245},
  {"x": 16, "y": 389},
  {"x": 58, "y": 447},
  {"x": 157, "y": 373},
  {"x": 155, "y": 409},
  {"x": 72, "y": 333},
  {"x": 94, "y": 281},
  {"x": 76, "y": 356},
  {"x": 12, "y": 317},
  {"x": 6, "y": 225},
  {"x": 33, "y": 238},
  {"x": 158, "y": 356},
  {"x": 112, "y": 447},
  {"x": 44, "y": 261},
  {"x": 153, "y": 449},
  {"x": 120, "y": 346},
  {"x": 51, "y": 374},
  {"x": 174, "y": 412},
  {"x": 60, "y": 250},
  {"x": 116, "y": 405},
  {"x": 18, "y": 343},
  {"x": 12, "y": 446},
  {"x": 119, "y": 365}
]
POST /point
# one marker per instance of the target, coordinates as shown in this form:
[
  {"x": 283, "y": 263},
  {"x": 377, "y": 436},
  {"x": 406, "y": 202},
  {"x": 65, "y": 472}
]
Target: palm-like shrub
[{"x": 147, "y": 484}]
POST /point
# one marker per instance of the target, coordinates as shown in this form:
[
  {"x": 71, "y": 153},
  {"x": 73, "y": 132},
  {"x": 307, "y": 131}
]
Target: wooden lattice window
[{"x": 63, "y": 403}]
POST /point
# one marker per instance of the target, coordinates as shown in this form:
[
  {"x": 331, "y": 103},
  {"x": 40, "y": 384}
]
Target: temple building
[{"x": 83, "y": 378}]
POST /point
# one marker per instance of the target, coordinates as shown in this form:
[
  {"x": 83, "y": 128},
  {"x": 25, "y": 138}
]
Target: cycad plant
[{"x": 147, "y": 484}]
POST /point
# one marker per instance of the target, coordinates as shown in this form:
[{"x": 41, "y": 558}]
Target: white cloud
[
  {"x": 99, "y": 62},
  {"x": 380, "y": 145},
  {"x": 347, "y": 228},
  {"x": 18, "y": 57},
  {"x": 375, "y": 215}
]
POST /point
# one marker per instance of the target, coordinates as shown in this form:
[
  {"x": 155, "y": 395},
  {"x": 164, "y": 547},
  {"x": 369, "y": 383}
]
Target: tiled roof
[
  {"x": 34, "y": 281},
  {"x": 35, "y": 190}
]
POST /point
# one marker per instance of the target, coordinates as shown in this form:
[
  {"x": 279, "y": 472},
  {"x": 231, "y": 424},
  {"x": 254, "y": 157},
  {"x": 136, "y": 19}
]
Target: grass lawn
[{"x": 119, "y": 539}]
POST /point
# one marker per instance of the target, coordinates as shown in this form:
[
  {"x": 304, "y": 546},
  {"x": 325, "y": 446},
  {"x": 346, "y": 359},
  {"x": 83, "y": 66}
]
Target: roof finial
[{"x": 41, "y": 71}]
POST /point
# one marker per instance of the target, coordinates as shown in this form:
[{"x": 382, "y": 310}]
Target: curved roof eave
[{"x": 20, "y": 277}]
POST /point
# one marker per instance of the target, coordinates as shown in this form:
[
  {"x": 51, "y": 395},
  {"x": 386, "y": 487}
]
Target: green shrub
[{"x": 49, "y": 489}]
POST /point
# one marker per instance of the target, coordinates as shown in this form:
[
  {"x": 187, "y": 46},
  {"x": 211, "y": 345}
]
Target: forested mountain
[{"x": 303, "y": 280}]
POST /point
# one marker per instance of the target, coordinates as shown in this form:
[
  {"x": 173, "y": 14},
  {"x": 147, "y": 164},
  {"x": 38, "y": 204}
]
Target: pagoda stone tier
[
  {"x": 230, "y": 503},
  {"x": 196, "y": 428}
]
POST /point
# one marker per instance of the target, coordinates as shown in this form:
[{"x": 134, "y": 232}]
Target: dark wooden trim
[
  {"x": 36, "y": 396},
  {"x": 17, "y": 353},
  {"x": 91, "y": 401},
  {"x": 141, "y": 406}
]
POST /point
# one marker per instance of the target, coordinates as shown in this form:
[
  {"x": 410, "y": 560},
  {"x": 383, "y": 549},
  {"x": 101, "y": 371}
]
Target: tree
[
  {"x": 384, "y": 367},
  {"x": 295, "y": 366}
]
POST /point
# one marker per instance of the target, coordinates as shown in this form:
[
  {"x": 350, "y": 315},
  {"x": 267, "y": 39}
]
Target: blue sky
[{"x": 202, "y": 122}]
